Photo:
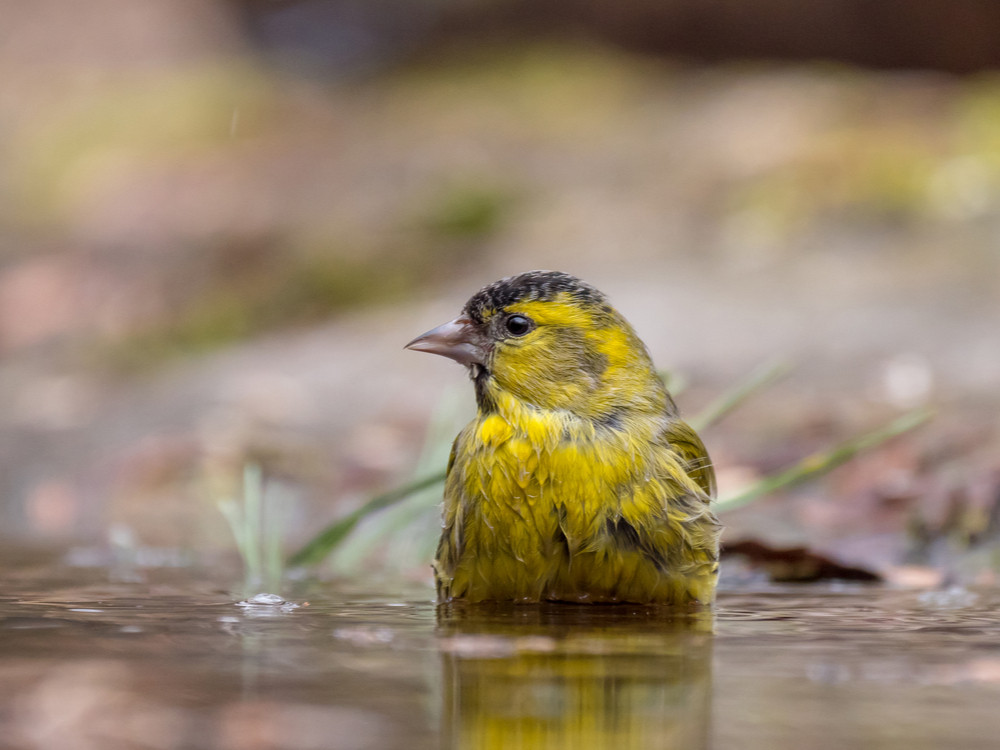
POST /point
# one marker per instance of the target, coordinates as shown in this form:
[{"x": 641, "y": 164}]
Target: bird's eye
[{"x": 518, "y": 325}]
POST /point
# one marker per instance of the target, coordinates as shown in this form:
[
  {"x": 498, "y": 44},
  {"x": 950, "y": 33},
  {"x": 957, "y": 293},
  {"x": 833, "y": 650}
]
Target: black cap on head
[{"x": 530, "y": 286}]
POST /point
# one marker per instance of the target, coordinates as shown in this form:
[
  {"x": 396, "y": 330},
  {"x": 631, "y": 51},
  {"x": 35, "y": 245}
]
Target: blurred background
[{"x": 220, "y": 221}]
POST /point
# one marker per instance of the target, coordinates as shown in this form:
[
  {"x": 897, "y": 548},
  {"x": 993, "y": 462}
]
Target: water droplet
[
  {"x": 265, "y": 604},
  {"x": 272, "y": 599}
]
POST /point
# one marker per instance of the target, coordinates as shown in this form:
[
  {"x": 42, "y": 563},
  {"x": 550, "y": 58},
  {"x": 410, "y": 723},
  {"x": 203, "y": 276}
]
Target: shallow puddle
[{"x": 173, "y": 661}]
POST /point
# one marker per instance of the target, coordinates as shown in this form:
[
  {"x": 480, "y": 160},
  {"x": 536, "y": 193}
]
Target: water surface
[{"x": 171, "y": 659}]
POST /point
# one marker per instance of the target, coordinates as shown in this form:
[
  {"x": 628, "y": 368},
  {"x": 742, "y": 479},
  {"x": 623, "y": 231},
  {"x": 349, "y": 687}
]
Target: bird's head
[{"x": 551, "y": 341}]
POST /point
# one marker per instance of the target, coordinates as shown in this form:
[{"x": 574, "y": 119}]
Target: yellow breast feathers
[
  {"x": 547, "y": 507},
  {"x": 577, "y": 481}
]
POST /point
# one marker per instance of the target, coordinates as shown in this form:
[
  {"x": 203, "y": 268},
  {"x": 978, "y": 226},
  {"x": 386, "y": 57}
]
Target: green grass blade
[
  {"x": 274, "y": 505},
  {"x": 323, "y": 543},
  {"x": 674, "y": 381},
  {"x": 759, "y": 378},
  {"x": 820, "y": 463},
  {"x": 253, "y": 496},
  {"x": 403, "y": 528},
  {"x": 231, "y": 511}
]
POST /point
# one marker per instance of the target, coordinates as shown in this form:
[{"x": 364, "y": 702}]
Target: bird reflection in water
[{"x": 581, "y": 677}]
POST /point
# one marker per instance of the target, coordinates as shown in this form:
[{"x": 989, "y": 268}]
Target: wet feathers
[{"x": 577, "y": 481}]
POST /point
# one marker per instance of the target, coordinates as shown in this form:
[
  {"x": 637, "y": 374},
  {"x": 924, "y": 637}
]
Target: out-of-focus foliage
[
  {"x": 211, "y": 246},
  {"x": 885, "y": 162}
]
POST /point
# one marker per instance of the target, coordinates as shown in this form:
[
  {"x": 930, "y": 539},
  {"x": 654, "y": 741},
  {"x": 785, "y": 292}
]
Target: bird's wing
[
  {"x": 685, "y": 441},
  {"x": 451, "y": 544}
]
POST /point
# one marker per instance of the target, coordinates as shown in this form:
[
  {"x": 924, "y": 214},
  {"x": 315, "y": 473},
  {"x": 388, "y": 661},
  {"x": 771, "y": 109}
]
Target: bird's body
[{"x": 576, "y": 481}]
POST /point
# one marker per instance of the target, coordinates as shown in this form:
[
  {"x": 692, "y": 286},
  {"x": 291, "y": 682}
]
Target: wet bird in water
[{"x": 577, "y": 481}]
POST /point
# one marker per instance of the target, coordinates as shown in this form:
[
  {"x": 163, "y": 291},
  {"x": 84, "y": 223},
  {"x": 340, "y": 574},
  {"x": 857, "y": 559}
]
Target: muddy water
[{"x": 170, "y": 660}]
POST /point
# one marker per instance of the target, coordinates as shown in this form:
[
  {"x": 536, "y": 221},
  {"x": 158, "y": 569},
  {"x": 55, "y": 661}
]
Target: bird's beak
[{"x": 458, "y": 340}]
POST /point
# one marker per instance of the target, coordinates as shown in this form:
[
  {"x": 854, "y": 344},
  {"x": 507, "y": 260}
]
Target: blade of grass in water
[
  {"x": 233, "y": 514},
  {"x": 410, "y": 527},
  {"x": 820, "y": 463},
  {"x": 274, "y": 501},
  {"x": 258, "y": 538},
  {"x": 252, "y": 505},
  {"x": 321, "y": 545}
]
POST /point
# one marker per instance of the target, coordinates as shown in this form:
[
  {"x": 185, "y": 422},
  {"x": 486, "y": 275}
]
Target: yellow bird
[{"x": 577, "y": 481}]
